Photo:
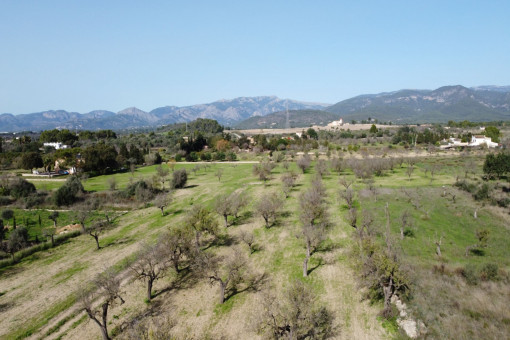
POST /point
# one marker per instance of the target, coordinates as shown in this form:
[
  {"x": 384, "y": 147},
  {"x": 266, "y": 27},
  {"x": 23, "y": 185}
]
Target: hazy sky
[{"x": 86, "y": 55}]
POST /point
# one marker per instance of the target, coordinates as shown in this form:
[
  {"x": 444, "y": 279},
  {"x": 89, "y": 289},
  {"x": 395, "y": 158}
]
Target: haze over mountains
[{"x": 482, "y": 103}]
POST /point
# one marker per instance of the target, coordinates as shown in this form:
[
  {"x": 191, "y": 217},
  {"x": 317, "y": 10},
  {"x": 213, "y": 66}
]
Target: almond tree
[
  {"x": 227, "y": 273},
  {"x": 54, "y": 216},
  {"x": 163, "y": 200},
  {"x": 177, "y": 245},
  {"x": 97, "y": 229},
  {"x": 150, "y": 265},
  {"x": 295, "y": 315},
  {"x": 106, "y": 287},
  {"x": 201, "y": 220},
  {"x": 268, "y": 207},
  {"x": 314, "y": 218},
  {"x": 223, "y": 206},
  {"x": 50, "y": 232}
]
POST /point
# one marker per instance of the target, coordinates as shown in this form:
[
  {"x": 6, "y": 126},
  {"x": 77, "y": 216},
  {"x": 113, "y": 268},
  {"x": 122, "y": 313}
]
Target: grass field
[{"x": 38, "y": 295}]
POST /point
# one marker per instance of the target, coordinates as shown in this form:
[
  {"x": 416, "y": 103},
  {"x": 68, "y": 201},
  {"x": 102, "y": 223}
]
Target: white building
[
  {"x": 57, "y": 145},
  {"x": 477, "y": 140},
  {"x": 336, "y": 123}
]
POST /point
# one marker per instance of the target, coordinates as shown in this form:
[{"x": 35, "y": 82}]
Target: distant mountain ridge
[
  {"x": 226, "y": 112},
  {"x": 481, "y": 103}
]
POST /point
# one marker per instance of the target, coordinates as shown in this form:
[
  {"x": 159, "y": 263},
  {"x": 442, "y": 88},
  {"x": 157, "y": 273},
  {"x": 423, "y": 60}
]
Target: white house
[
  {"x": 336, "y": 123},
  {"x": 57, "y": 145},
  {"x": 477, "y": 140}
]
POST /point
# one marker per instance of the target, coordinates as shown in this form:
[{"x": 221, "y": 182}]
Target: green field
[{"x": 62, "y": 271}]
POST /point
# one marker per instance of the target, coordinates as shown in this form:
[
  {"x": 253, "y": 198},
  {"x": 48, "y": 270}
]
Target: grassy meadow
[{"x": 38, "y": 295}]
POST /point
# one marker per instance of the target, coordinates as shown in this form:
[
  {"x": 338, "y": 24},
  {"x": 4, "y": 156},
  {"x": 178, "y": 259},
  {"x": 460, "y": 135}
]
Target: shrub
[
  {"x": 180, "y": 177},
  {"x": 21, "y": 188},
  {"x": 489, "y": 272},
  {"x": 469, "y": 274},
  {"x": 5, "y": 200}
]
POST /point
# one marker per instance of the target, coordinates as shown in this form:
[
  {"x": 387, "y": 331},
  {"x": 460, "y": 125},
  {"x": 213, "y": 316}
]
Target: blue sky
[{"x": 86, "y": 55}]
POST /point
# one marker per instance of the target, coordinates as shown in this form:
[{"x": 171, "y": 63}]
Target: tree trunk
[
  {"x": 223, "y": 286},
  {"x": 388, "y": 293},
  {"x": 197, "y": 239},
  {"x": 149, "y": 289},
  {"x": 83, "y": 231},
  {"x": 162, "y": 212},
  {"x": 225, "y": 216},
  {"x": 438, "y": 249},
  {"x": 307, "y": 258},
  {"x": 104, "y": 329},
  {"x": 52, "y": 240},
  {"x": 267, "y": 221},
  {"x": 55, "y": 223},
  {"x": 96, "y": 237}
]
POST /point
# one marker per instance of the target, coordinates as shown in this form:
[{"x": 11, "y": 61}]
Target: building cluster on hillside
[
  {"x": 57, "y": 145},
  {"x": 476, "y": 140}
]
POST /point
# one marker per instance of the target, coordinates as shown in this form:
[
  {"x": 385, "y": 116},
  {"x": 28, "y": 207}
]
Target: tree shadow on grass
[
  {"x": 243, "y": 218},
  {"x": 184, "y": 280},
  {"x": 319, "y": 264},
  {"x": 254, "y": 284}
]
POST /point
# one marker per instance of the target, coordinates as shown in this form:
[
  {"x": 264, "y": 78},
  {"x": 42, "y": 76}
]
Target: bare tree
[
  {"x": 405, "y": 222},
  {"x": 162, "y": 201},
  {"x": 346, "y": 183},
  {"x": 263, "y": 170},
  {"x": 112, "y": 183},
  {"x": 295, "y": 315},
  {"x": 314, "y": 218},
  {"x": 97, "y": 229},
  {"x": 228, "y": 275},
  {"x": 336, "y": 164},
  {"x": 106, "y": 288},
  {"x": 288, "y": 181},
  {"x": 268, "y": 207},
  {"x": 223, "y": 206},
  {"x": 409, "y": 171},
  {"x": 348, "y": 196},
  {"x": 353, "y": 217},
  {"x": 438, "y": 242},
  {"x": 50, "y": 232},
  {"x": 219, "y": 174},
  {"x": 248, "y": 238},
  {"x": 54, "y": 217},
  {"x": 304, "y": 162},
  {"x": 177, "y": 244},
  {"x": 162, "y": 174},
  {"x": 321, "y": 167},
  {"x": 84, "y": 212},
  {"x": 201, "y": 220},
  {"x": 238, "y": 201},
  {"x": 150, "y": 265}
]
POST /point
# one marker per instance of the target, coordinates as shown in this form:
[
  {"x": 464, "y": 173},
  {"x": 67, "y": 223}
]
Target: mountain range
[
  {"x": 481, "y": 103},
  {"x": 226, "y": 112}
]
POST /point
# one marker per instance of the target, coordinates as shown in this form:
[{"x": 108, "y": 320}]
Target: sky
[{"x": 86, "y": 55}]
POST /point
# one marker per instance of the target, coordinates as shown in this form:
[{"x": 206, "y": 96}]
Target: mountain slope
[
  {"x": 440, "y": 105},
  {"x": 227, "y": 112},
  {"x": 297, "y": 118}
]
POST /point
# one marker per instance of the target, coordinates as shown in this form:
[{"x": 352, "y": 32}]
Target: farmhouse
[
  {"x": 477, "y": 140},
  {"x": 57, "y": 145}
]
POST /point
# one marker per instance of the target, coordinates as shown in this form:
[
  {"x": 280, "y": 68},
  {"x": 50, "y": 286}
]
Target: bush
[
  {"x": 5, "y": 200},
  {"x": 489, "y": 272},
  {"x": 205, "y": 156},
  {"x": 180, "y": 177},
  {"x": 66, "y": 194},
  {"x": 33, "y": 200},
  {"x": 63, "y": 196},
  {"x": 21, "y": 188},
  {"x": 469, "y": 274}
]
